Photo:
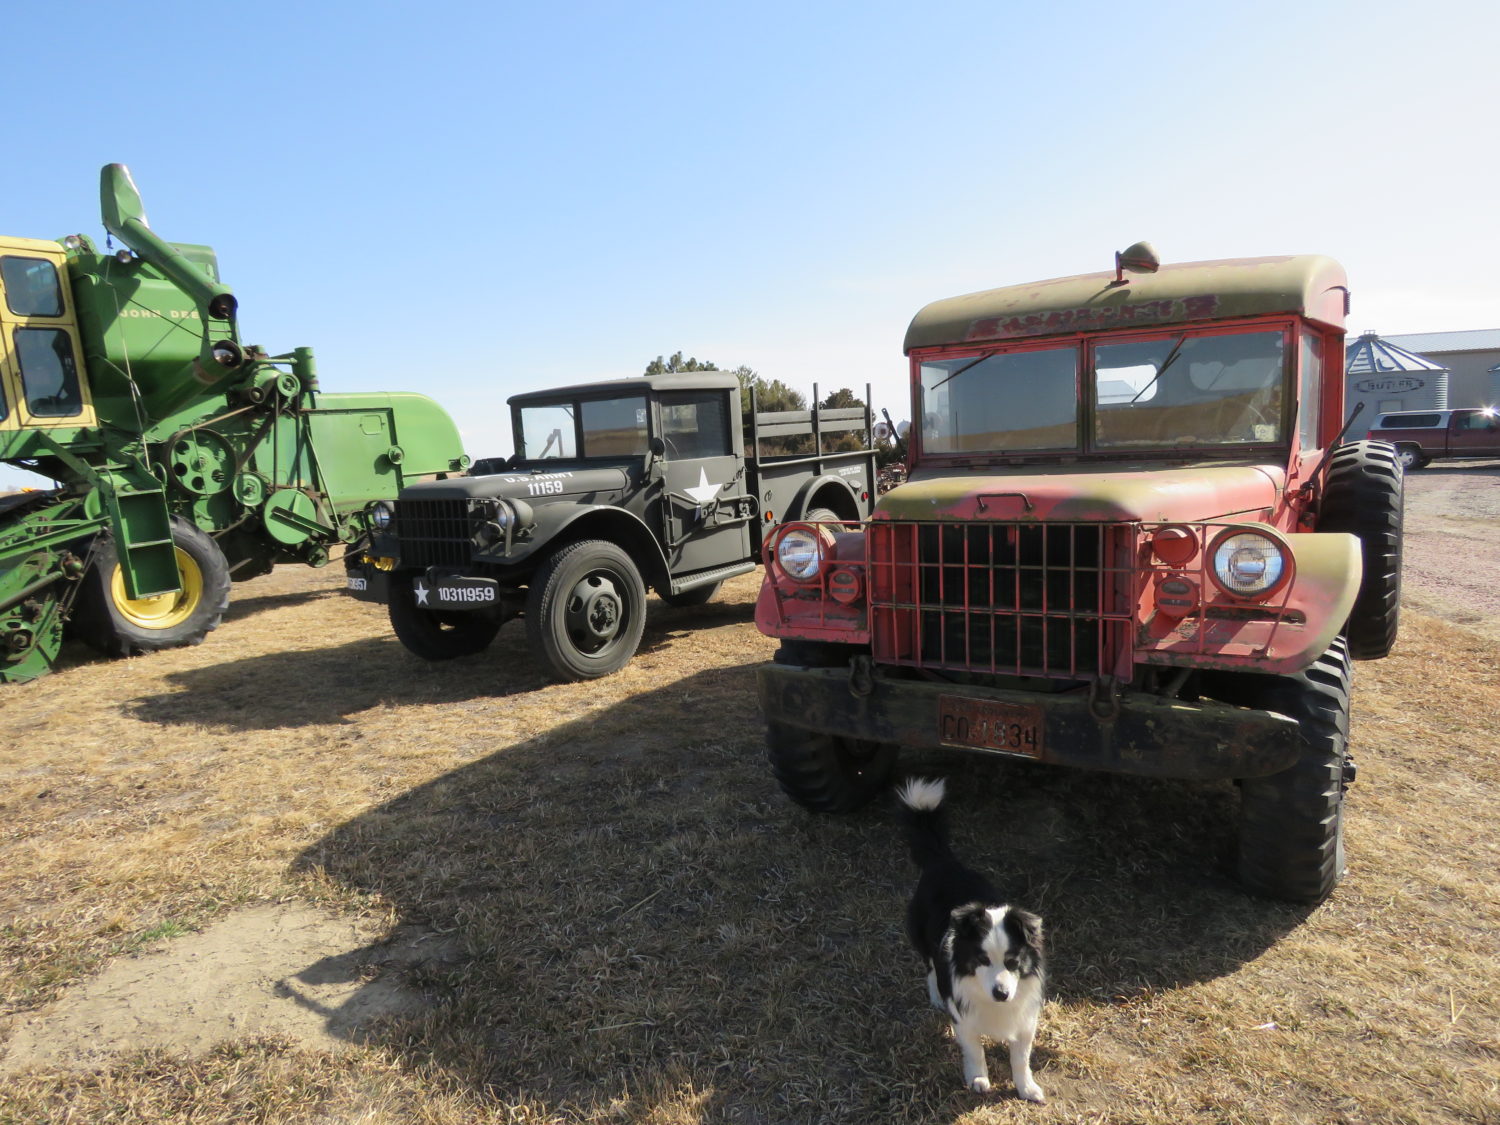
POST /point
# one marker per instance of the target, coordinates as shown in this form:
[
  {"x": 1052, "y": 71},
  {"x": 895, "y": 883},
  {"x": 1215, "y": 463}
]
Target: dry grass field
[{"x": 297, "y": 875}]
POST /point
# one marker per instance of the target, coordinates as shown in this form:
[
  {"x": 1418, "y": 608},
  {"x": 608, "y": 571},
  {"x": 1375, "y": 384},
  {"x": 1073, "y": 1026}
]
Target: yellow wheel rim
[{"x": 164, "y": 611}]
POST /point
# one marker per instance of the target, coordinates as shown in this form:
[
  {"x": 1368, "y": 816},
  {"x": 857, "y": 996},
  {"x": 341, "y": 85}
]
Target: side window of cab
[{"x": 44, "y": 354}]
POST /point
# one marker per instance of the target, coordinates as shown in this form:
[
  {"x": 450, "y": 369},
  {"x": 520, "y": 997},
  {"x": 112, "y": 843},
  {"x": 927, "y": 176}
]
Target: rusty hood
[{"x": 1107, "y": 494}]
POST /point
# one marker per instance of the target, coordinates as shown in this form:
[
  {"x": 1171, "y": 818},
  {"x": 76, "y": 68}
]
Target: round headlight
[
  {"x": 381, "y": 514},
  {"x": 1248, "y": 563},
  {"x": 799, "y": 551},
  {"x": 503, "y": 514}
]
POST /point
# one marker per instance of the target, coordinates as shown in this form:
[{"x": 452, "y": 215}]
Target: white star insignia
[
  {"x": 703, "y": 492},
  {"x": 420, "y": 590}
]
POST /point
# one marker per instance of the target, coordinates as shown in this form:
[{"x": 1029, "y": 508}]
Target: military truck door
[{"x": 703, "y": 475}]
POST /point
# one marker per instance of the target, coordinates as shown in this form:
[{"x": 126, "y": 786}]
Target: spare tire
[{"x": 1363, "y": 496}]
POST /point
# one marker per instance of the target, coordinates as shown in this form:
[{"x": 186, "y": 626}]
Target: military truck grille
[
  {"x": 1017, "y": 599},
  {"x": 433, "y": 532}
]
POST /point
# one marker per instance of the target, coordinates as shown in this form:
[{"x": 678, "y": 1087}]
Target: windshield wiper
[
  {"x": 960, "y": 371},
  {"x": 1162, "y": 370}
]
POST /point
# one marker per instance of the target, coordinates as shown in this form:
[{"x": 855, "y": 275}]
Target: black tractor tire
[
  {"x": 1291, "y": 833},
  {"x": 698, "y": 595},
  {"x": 1364, "y": 496},
  {"x": 107, "y": 619},
  {"x": 826, "y": 773},
  {"x": 437, "y": 634},
  {"x": 586, "y": 610}
]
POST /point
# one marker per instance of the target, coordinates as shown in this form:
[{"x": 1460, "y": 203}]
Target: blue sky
[{"x": 475, "y": 200}]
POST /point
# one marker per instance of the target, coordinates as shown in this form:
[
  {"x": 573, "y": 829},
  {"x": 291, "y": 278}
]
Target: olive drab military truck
[
  {"x": 183, "y": 459},
  {"x": 1132, "y": 540},
  {"x": 615, "y": 487}
]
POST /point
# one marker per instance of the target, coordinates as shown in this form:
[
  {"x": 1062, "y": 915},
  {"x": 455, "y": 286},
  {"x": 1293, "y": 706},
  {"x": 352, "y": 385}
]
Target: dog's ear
[
  {"x": 969, "y": 922},
  {"x": 1030, "y": 927}
]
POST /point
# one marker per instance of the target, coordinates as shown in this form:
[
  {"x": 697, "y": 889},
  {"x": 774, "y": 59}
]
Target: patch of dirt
[
  {"x": 285, "y": 970},
  {"x": 323, "y": 980},
  {"x": 1451, "y": 563}
]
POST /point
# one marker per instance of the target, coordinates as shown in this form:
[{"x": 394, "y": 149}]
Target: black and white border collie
[{"x": 984, "y": 957}]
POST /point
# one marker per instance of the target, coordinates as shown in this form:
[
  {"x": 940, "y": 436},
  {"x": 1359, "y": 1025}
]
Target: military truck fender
[
  {"x": 114, "y": 623},
  {"x": 613, "y": 525},
  {"x": 830, "y": 492}
]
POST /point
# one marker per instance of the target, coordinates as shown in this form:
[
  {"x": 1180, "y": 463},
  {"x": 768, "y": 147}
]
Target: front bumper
[{"x": 1144, "y": 735}]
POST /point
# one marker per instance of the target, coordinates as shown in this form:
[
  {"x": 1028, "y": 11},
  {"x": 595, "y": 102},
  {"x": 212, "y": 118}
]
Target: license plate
[
  {"x": 357, "y": 583},
  {"x": 455, "y": 593},
  {"x": 982, "y": 724}
]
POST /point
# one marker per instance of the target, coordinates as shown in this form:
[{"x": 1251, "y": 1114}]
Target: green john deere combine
[{"x": 183, "y": 459}]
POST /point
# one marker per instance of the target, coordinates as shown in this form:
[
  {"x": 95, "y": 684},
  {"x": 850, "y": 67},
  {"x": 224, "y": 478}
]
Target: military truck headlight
[
  {"x": 799, "y": 552},
  {"x": 382, "y": 512},
  {"x": 1248, "y": 564},
  {"x": 512, "y": 514}
]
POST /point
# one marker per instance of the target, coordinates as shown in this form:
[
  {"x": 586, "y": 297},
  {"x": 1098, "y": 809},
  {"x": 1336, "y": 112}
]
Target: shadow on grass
[
  {"x": 329, "y": 685},
  {"x": 644, "y": 920},
  {"x": 241, "y": 607}
]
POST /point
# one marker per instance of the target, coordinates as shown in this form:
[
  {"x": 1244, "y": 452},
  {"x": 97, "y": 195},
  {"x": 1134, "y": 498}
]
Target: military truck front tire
[
  {"x": 1364, "y": 497},
  {"x": 586, "y": 610},
  {"x": 439, "y": 635},
  {"x": 1291, "y": 840},
  {"x": 826, "y": 773},
  {"x": 107, "y": 618}
]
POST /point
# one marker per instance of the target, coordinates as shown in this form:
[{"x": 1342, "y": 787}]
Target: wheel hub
[{"x": 595, "y": 608}]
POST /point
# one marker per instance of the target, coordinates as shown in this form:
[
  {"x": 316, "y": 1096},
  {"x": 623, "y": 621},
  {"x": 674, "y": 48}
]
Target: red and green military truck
[{"x": 1131, "y": 540}]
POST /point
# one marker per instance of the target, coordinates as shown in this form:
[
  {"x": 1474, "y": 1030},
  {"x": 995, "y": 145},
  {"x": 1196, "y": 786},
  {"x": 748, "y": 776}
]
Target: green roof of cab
[{"x": 1308, "y": 285}]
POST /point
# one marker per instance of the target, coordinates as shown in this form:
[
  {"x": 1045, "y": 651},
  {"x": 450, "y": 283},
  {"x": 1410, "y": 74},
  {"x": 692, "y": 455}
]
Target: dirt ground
[
  {"x": 321, "y": 978},
  {"x": 1452, "y": 561}
]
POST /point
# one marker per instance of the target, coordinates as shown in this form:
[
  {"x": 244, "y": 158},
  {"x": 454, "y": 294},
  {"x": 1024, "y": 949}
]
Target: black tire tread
[
  {"x": 1364, "y": 496},
  {"x": 1291, "y": 823},
  {"x": 437, "y": 635},
  {"x": 541, "y": 606},
  {"x": 95, "y": 621}
]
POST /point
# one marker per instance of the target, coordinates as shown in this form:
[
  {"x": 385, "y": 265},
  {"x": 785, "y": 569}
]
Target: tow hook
[
  {"x": 1104, "y": 698},
  {"x": 861, "y": 677}
]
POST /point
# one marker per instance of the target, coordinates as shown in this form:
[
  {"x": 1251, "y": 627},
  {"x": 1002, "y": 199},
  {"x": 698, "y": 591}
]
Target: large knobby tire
[
  {"x": 1364, "y": 496},
  {"x": 107, "y": 618},
  {"x": 437, "y": 634},
  {"x": 822, "y": 515},
  {"x": 824, "y": 772},
  {"x": 586, "y": 610},
  {"x": 1291, "y": 841},
  {"x": 698, "y": 595}
]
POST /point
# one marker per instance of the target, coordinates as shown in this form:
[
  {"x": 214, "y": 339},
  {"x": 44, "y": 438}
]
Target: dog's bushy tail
[{"x": 922, "y": 813}]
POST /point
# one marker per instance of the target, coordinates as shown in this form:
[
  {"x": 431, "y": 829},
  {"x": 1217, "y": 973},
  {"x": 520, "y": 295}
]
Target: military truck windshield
[
  {"x": 1171, "y": 392},
  {"x": 1001, "y": 403},
  {"x": 613, "y": 427},
  {"x": 1223, "y": 389}
]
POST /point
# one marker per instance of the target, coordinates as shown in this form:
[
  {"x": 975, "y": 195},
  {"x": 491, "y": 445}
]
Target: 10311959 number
[{"x": 982, "y": 724}]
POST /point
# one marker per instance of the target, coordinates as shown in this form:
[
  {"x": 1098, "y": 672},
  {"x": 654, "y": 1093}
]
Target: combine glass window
[
  {"x": 49, "y": 376},
  {"x": 31, "y": 286}
]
